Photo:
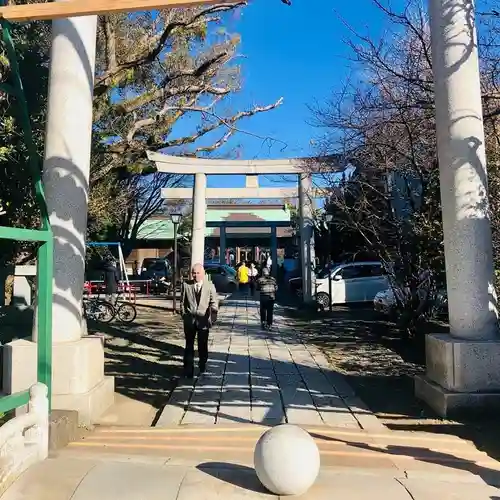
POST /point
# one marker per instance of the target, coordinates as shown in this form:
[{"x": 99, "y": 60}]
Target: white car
[{"x": 354, "y": 282}]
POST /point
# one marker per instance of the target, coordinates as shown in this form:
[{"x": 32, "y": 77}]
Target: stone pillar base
[
  {"x": 78, "y": 381},
  {"x": 462, "y": 377}
]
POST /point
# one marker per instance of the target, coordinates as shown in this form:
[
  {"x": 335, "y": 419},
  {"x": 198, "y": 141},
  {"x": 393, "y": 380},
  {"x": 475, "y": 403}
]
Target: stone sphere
[{"x": 286, "y": 460}]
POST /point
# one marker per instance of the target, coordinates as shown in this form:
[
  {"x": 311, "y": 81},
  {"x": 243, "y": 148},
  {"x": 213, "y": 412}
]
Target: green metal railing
[{"x": 43, "y": 235}]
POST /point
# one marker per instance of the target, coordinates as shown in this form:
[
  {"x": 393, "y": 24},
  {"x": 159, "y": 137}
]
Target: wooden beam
[{"x": 76, "y": 8}]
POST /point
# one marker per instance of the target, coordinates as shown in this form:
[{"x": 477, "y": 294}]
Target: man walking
[
  {"x": 253, "y": 274},
  {"x": 199, "y": 305},
  {"x": 268, "y": 287}
]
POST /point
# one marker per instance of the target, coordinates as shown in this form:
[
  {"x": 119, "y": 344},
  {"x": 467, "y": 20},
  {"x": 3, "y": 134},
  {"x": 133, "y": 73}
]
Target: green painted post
[
  {"x": 43, "y": 235},
  {"x": 45, "y": 262}
]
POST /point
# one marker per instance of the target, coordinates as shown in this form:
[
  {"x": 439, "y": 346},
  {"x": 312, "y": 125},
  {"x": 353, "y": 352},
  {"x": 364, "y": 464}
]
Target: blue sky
[{"x": 297, "y": 53}]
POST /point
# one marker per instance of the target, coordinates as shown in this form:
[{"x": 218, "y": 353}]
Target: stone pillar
[
  {"x": 78, "y": 381},
  {"x": 199, "y": 219},
  {"x": 274, "y": 251},
  {"x": 222, "y": 253},
  {"x": 306, "y": 223},
  {"x": 66, "y": 167},
  {"x": 462, "y": 368}
]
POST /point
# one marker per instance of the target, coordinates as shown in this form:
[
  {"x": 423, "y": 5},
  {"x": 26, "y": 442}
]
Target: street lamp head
[
  {"x": 329, "y": 218},
  {"x": 175, "y": 218}
]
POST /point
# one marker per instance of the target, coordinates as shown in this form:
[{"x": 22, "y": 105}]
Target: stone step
[{"x": 191, "y": 445}]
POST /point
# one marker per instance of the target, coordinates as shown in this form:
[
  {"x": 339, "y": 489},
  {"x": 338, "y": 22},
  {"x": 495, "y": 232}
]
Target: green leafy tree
[
  {"x": 17, "y": 203},
  {"x": 163, "y": 82}
]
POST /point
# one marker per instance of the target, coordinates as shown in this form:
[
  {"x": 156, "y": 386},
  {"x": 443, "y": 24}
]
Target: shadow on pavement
[
  {"x": 488, "y": 475},
  {"x": 146, "y": 359},
  {"x": 237, "y": 475}
]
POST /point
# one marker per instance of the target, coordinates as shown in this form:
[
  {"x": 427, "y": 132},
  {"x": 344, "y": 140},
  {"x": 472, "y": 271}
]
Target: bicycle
[
  {"x": 125, "y": 311},
  {"x": 98, "y": 310}
]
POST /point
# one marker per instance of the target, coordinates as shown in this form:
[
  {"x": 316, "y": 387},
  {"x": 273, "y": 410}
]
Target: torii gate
[
  {"x": 200, "y": 168},
  {"x": 462, "y": 369}
]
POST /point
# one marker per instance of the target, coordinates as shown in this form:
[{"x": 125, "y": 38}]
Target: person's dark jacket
[
  {"x": 268, "y": 287},
  {"x": 111, "y": 278}
]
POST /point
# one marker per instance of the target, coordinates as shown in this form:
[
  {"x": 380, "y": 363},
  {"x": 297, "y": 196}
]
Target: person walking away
[
  {"x": 199, "y": 306},
  {"x": 253, "y": 275},
  {"x": 281, "y": 273},
  {"x": 267, "y": 287},
  {"x": 269, "y": 262},
  {"x": 243, "y": 277},
  {"x": 111, "y": 280}
]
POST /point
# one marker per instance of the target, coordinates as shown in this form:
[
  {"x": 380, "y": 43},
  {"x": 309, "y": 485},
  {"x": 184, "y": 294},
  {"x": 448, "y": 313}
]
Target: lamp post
[
  {"x": 176, "y": 219},
  {"x": 329, "y": 220}
]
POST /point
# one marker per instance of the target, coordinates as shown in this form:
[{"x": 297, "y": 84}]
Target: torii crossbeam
[{"x": 75, "y": 8}]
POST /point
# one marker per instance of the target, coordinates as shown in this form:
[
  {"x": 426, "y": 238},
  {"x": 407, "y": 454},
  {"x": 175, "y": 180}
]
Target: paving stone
[
  {"x": 265, "y": 379},
  {"x": 260, "y": 363},
  {"x": 286, "y": 368},
  {"x": 119, "y": 480},
  {"x": 350, "y": 486},
  {"x": 235, "y": 406},
  {"x": 251, "y": 372},
  {"x": 268, "y": 414},
  {"x": 299, "y": 406},
  {"x": 290, "y": 379},
  {"x": 424, "y": 490},
  {"x": 175, "y": 408},
  {"x": 200, "y": 415},
  {"x": 38, "y": 482},
  {"x": 236, "y": 380}
]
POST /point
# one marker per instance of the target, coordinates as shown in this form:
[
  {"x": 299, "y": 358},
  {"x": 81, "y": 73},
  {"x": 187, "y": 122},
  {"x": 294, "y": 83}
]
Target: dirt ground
[{"x": 145, "y": 357}]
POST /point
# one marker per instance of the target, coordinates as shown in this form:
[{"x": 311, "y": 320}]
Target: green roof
[
  {"x": 156, "y": 229},
  {"x": 163, "y": 229},
  {"x": 270, "y": 215}
]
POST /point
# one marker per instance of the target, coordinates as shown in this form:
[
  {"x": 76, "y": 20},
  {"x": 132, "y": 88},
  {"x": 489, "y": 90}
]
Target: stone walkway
[{"x": 264, "y": 377}]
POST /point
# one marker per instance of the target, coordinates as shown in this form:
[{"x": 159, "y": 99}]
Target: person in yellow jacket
[{"x": 243, "y": 277}]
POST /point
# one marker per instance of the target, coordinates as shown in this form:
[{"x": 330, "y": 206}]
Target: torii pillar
[
  {"x": 199, "y": 219},
  {"x": 463, "y": 370},
  {"x": 78, "y": 380}
]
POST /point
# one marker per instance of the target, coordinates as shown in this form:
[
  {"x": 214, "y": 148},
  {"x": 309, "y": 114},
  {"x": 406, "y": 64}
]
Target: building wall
[
  {"x": 406, "y": 192},
  {"x": 139, "y": 254}
]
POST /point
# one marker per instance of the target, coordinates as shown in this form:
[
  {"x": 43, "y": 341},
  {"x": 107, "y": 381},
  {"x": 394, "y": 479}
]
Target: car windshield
[
  {"x": 154, "y": 265},
  {"x": 323, "y": 273}
]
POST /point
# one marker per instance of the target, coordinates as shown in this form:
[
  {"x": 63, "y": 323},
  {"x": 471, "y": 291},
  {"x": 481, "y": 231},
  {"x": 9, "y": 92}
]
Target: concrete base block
[
  {"x": 450, "y": 404},
  {"x": 89, "y": 405},
  {"x": 78, "y": 381},
  {"x": 462, "y": 377},
  {"x": 63, "y": 428},
  {"x": 463, "y": 366}
]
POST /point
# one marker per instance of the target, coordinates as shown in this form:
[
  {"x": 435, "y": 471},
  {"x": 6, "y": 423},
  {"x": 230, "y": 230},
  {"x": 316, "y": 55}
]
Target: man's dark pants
[
  {"x": 266, "y": 310},
  {"x": 191, "y": 330}
]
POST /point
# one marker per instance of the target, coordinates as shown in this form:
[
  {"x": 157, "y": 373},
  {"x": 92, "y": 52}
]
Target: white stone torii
[
  {"x": 200, "y": 167},
  {"x": 252, "y": 191},
  {"x": 462, "y": 368}
]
